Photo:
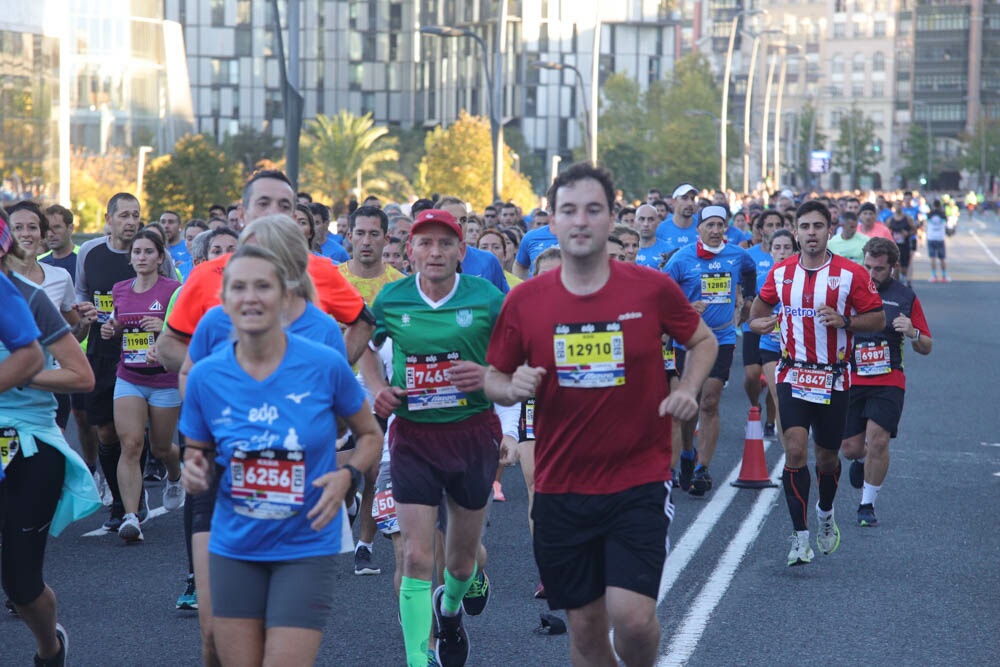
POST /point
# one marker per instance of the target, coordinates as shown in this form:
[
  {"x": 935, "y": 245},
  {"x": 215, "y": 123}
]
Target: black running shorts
[
  {"x": 99, "y": 404},
  {"x": 459, "y": 458},
  {"x": 585, "y": 543},
  {"x": 751, "y": 349},
  {"x": 904, "y": 254},
  {"x": 882, "y": 405},
  {"x": 203, "y": 504},
  {"x": 285, "y": 594},
  {"x": 720, "y": 369},
  {"x": 826, "y": 421}
]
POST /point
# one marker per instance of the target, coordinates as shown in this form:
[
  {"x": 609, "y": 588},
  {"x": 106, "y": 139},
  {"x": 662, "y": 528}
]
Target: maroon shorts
[{"x": 458, "y": 458}]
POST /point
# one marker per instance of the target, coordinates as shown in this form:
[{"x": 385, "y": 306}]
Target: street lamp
[
  {"x": 930, "y": 136},
  {"x": 591, "y": 149},
  {"x": 751, "y": 75},
  {"x": 725, "y": 90},
  {"x": 143, "y": 151},
  {"x": 494, "y": 84},
  {"x": 777, "y": 113}
]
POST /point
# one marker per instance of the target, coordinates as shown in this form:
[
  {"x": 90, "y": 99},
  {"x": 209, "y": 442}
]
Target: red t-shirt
[
  {"x": 596, "y": 424},
  {"x": 203, "y": 289},
  {"x": 839, "y": 283}
]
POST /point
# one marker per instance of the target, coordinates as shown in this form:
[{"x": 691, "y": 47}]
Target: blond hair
[{"x": 283, "y": 237}]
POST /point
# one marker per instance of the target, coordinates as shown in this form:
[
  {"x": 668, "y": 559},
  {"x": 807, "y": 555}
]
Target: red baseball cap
[{"x": 436, "y": 215}]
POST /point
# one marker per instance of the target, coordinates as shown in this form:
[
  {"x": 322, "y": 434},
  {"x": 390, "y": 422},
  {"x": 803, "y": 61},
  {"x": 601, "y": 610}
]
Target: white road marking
[
  {"x": 996, "y": 474},
  {"x": 685, "y": 639},
  {"x": 989, "y": 252},
  {"x": 990, "y": 444},
  {"x": 685, "y": 548},
  {"x": 153, "y": 513}
]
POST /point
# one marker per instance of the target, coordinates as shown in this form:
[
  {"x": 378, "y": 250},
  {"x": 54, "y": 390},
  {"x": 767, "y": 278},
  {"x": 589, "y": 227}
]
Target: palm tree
[{"x": 340, "y": 152}]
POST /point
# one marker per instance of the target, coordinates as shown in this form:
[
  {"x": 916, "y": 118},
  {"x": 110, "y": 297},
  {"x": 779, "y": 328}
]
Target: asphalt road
[{"x": 921, "y": 589}]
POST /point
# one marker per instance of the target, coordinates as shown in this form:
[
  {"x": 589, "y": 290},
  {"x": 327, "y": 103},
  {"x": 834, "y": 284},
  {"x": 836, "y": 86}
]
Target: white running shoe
[
  {"x": 801, "y": 553},
  {"x": 102, "y": 489},
  {"x": 828, "y": 537},
  {"x": 173, "y": 495},
  {"x": 130, "y": 530}
]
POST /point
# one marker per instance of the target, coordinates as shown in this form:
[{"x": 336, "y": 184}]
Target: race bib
[
  {"x": 669, "y": 357},
  {"x": 872, "y": 358},
  {"x": 427, "y": 388},
  {"x": 9, "y": 445},
  {"x": 590, "y": 355},
  {"x": 812, "y": 385},
  {"x": 384, "y": 511},
  {"x": 105, "y": 305},
  {"x": 529, "y": 419},
  {"x": 716, "y": 287},
  {"x": 135, "y": 345},
  {"x": 268, "y": 484}
]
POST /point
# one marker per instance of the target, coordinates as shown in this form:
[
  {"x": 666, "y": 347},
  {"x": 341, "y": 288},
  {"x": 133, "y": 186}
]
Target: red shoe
[{"x": 498, "y": 496}]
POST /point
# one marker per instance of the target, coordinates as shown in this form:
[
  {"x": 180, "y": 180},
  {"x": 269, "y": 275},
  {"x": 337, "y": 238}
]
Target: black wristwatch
[
  {"x": 847, "y": 322},
  {"x": 357, "y": 480}
]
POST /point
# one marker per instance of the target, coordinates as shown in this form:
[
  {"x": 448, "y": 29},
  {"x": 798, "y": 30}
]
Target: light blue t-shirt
[
  {"x": 764, "y": 262},
  {"x": 215, "y": 329},
  {"x": 482, "y": 264},
  {"x": 534, "y": 243},
  {"x": 772, "y": 341},
  {"x": 713, "y": 280},
  {"x": 677, "y": 237},
  {"x": 274, "y": 438},
  {"x": 653, "y": 255},
  {"x": 736, "y": 236},
  {"x": 331, "y": 248}
]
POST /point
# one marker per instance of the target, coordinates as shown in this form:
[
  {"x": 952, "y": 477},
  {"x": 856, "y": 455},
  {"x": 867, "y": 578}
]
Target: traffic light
[{"x": 877, "y": 147}]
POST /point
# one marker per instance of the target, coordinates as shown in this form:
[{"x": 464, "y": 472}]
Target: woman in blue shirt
[{"x": 265, "y": 409}]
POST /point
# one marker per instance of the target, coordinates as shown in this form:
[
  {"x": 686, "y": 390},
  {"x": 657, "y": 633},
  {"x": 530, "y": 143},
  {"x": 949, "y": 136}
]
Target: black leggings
[{"x": 28, "y": 499}]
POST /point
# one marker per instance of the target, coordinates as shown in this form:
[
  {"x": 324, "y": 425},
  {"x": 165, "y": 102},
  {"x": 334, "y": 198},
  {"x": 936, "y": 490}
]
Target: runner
[
  {"x": 45, "y": 484},
  {"x": 937, "y": 225},
  {"x": 904, "y": 231},
  {"x": 869, "y": 225},
  {"x": 710, "y": 272},
  {"x": 476, "y": 262},
  {"x": 602, "y": 499},
  {"x": 274, "y": 535},
  {"x": 532, "y": 245},
  {"x": 877, "y": 379},
  {"x": 679, "y": 228},
  {"x": 176, "y": 244},
  {"x": 102, "y": 263},
  {"x": 849, "y": 242},
  {"x": 495, "y": 241},
  {"x": 62, "y": 250},
  {"x": 145, "y": 393},
  {"x": 651, "y": 249},
  {"x": 824, "y": 298},
  {"x": 445, "y": 438}
]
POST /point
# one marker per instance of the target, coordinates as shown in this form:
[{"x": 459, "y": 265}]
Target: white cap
[
  {"x": 683, "y": 189},
  {"x": 787, "y": 193}
]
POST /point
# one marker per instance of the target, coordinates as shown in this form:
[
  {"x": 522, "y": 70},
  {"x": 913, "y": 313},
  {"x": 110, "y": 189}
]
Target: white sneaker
[
  {"x": 130, "y": 530},
  {"x": 801, "y": 553},
  {"x": 828, "y": 537},
  {"x": 102, "y": 488},
  {"x": 173, "y": 495}
]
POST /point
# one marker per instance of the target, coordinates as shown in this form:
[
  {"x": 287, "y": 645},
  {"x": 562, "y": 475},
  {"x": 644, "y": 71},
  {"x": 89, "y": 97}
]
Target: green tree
[
  {"x": 250, "y": 147},
  {"x": 810, "y": 137},
  {"x": 458, "y": 161},
  {"x": 94, "y": 179},
  {"x": 981, "y": 151},
  {"x": 916, "y": 154},
  {"x": 339, "y": 152},
  {"x": 854, "y": 150},
  {"x": 195, "y": 176},
  {"x": 410, "y": 146},
  {"x": 529, "y": 163}
]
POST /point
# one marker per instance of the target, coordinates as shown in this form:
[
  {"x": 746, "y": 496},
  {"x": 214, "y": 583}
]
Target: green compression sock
[
  {"x": 455, "y": 590},
  {"x": 415, "y": 615}
]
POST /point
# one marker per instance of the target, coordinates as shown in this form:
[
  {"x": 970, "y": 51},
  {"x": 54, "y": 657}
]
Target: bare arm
[
  {"x": 356, "y": 338},
  {"x": 182, "y": 374},
  {"x": 510, "y": 388},
  {"x": 22, "y": 365},
  {"x": 699, "y": 358},
  {"x": 520, "y": 270},
  {"x": 871, "y": 321},
  {"x": 171, "y": 349},
  {"x": 73, "y": 375},
  {"x": 760, "y": 309}
]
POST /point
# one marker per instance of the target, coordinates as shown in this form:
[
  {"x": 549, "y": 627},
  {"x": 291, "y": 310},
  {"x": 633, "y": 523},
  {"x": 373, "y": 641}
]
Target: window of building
[
  {"x": 243, "y": 41},
  {"x": 878, "y": 29},
  {"x": 357, "y": 73},
  {"x": 273, "y": 106},
  {"x": 395, "y": 16},
  {"x": 839, "y": 29},
  {"x": 858, "y": 63},
  {"x": 367, "y": 103},
  {"x": 878, "y": 89},
  {"x": 878, "y": 62},
  {"x": 837, "y": 64},
  {"x": 859, "y": 28},
  {"x": 857, "y": 90},
  {"x": 218, "y": 12},
  {"x": 244, "y": 12}
]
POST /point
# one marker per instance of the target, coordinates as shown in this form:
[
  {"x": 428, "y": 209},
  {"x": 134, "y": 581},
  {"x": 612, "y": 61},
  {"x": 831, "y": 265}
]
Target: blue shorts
[
  {"x": 157, "y": 397},
  {"x": 935, "y": 249}
]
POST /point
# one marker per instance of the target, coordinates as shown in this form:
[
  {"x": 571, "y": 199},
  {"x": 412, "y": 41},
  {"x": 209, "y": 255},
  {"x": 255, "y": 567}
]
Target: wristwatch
[
  {"x": 915, "y": 337},
  {"x": 357, "y": 480},
  {"x": 847, "y": 322}
]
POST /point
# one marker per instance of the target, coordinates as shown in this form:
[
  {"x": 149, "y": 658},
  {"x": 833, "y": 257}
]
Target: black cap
[{"x": 868, "y": 206}]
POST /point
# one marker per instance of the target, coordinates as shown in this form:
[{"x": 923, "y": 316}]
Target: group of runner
[{"x": 321, "y": 385}]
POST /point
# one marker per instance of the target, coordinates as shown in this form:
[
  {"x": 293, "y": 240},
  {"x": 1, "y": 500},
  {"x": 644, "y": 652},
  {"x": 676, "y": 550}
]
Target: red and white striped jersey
[{"x": 841, "y": 284}]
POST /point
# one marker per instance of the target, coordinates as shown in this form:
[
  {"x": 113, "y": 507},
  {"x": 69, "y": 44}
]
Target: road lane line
[
  {"x": 989, "y": 252},
  {"x": 153, "y": 513},
  {"x": 692, "y": 539},
  {"x": 687, "y": 636}
]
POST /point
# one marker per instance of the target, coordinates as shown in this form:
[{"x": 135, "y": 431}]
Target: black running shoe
[
  {"x": 478, "y": 595},
  {"x": 452, "y": 646},
  {"x": 769, "y": 430},
  {"x": 857, "y": 474},
  {"x": 687, "y": 471},
  {"x": 866, "y": 516},
  {"x": 701, "y": 483},
  {"x": 363, "y": 562}
]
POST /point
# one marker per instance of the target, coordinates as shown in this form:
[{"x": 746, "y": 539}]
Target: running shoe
[
  {"x": 498, "y": 495},
  {"x": 114, "y": 522},
  {"x": 432, "y": 660},
  {"x": 866, "y": 516},
  {"x": 11, "y": 609},
  {"x": 130, "y": 530},
  {"x": 540, "y": 591},
  {"x": 452, "y": 646},
  {"x": 102, "y": 488},
  {"x": 478, "y": 595},
  {"x": 173, "y": 495},
  {"x": 155, "y": 471},
  {"x": 857, "y": 474},
  {"x": 828, "y": 537},
  {"x": 363, "y": 562},
  {"x": 58, "y": 660},
  {"x": 801, "y": 553},
  {"x": 687, "y": 471},
  {"x": 702, "y": 482},
  {"x": 143, "y": 513},
  {"x": 769, "y": 431},
  {"x": 188, "y": 600}
]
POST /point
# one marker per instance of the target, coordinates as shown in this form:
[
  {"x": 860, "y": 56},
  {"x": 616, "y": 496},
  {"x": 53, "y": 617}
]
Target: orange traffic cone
[{"x": 753, "y": 473}]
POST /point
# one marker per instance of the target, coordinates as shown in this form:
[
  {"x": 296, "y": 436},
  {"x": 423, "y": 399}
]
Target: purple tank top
[{"x": 130, "y": 308}]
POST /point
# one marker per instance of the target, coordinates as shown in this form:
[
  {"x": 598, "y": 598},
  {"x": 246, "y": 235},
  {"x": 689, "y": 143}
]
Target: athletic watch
[
  {"x": 915, "y": 337},
  {"x": 357, "y": 480},
  {"x": 847, "y": 322}
]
